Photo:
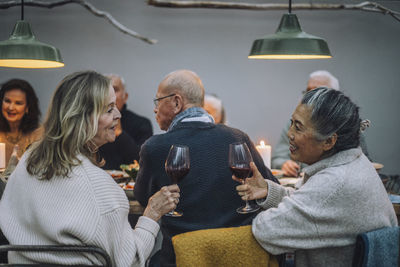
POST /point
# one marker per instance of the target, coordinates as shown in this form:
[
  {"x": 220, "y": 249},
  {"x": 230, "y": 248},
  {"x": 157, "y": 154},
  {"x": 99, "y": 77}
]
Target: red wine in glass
[
  {"x": 241, "y": 172},
  {"x": 176, "y": 174},
  {"x": 177, "y": 166},
  {"x": 239, "y": 163}
]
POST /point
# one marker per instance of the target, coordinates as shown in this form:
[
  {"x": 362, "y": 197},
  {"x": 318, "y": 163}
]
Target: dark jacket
[
  {"x": 138, "y": 127},
  {"x": 124, "y": 150},
  {"x": 208, "y": 195}
]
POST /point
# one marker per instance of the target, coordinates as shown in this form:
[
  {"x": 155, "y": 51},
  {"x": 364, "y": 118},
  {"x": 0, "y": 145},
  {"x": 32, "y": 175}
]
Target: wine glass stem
[
  {"x": 245, "y": 195},
  {"x": 173, "y": 212}
]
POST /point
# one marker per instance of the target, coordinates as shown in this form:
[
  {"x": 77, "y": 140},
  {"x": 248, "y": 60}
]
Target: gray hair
[
  {"x": 333, "y": 112},
  {"x": 187, "y": 83},
  {"x": 112, "y": 76},
  {"x": 333, "y": 81},
  {"x": 216, "y": 102}
]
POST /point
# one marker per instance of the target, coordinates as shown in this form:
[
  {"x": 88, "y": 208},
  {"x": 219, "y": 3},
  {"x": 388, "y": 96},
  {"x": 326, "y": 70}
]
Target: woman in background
[
  {"x": 57, "y": 195},
  {"x": 340, "y": 196},
  {"x": 19, "y": 117}
]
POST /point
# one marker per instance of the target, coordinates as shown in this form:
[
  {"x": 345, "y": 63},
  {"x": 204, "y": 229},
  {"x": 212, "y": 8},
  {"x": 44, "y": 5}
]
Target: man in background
[
  {"x": 208, "y": 196},
  {"x": 281, "y": 156},
  {"x": 138, "y": 127},
  {"x": 132, "y": 131},
  {"x": 213, "y": 105}
]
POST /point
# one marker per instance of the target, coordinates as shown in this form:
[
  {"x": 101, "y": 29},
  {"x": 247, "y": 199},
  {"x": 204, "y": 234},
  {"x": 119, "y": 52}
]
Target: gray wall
[{"x": 259, "y": 95}]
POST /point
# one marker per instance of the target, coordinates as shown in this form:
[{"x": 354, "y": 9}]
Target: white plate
[
  {"x": 117, "y": 174},
  {"x": 377, "y": 166},
  {"x": 128, "y": 190},
  {"x": 289, "y": 181},
  {"x": 277, "y": 173},
  {"x": 130, "y": 186}
]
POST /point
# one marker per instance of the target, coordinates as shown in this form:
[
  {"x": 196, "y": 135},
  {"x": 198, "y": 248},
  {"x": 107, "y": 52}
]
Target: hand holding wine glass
[
  {"x": 162, "y": 202},
  {"x": 255, "y": 187},
  {"x": 239, "y": 163},
  {"x": 177, "y": 166}
]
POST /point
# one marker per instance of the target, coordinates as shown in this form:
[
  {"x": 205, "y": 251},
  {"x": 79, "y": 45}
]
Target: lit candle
[
  {"x": 265, "y": 152},
  {"x": 2, "y": 155}
]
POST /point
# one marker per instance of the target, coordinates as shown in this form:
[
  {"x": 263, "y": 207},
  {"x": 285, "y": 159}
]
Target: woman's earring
[
  {"x": 364, "y": 124},
  {"x": 92, "y": 147}
]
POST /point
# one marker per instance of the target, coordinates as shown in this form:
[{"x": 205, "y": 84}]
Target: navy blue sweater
[{"x": 208, "y": 195}]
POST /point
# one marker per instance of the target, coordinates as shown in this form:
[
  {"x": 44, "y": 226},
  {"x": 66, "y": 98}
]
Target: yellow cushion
[{"x": 233, "y": 246}]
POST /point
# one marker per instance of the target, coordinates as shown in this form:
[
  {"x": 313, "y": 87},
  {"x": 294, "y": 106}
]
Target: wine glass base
[
  {"x": 247, "y": 209},
  {"x": 174, "y": 214}
]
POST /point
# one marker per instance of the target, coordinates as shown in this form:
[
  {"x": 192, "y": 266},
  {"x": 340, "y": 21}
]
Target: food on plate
[
  {"x": 129, "y": 186},
  {"x": 116, "y": 174},
  {"x": 277, "y": 173},
  {"x": 131, "y": 169},
  {"x": 128, "y": 189}
]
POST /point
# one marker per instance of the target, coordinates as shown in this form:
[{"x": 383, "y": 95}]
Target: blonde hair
[{"x": 70, "y": 125}]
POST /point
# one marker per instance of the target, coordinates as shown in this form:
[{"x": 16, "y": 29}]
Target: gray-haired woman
[
  {"x": 340, "y": 196},
  {"x": 58, "y": 194}
]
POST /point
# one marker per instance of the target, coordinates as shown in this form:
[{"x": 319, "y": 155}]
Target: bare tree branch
[
  {"x": 88, "y": 6},
  {"x": 363, "y": 6}
]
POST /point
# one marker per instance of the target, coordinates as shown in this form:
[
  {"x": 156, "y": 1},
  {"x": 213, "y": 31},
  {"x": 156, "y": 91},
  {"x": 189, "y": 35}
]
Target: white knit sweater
[
  {"x": 341, "y": 196},
  {"x": 87, "y": 208}
]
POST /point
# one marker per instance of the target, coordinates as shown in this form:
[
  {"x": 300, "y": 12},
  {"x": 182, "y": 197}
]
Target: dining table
[{"x": 135, "y": 211}]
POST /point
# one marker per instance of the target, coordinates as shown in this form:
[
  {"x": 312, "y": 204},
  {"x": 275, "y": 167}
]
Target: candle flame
[{"x": 262, "y": 143}]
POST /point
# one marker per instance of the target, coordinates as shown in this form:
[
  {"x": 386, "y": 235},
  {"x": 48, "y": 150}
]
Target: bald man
[{"x": 208, "y": 195}]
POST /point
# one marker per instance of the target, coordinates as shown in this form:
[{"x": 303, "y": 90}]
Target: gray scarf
[{"x": 191, "y": 114}]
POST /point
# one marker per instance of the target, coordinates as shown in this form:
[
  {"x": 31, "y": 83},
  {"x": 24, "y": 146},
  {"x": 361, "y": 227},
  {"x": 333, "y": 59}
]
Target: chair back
[
  {"x": 2, "y": 186},
  {"x": 57, "y": 248},
  {"x": 377, "y": 248},
  {"x": 221, "y": 247},
  {"x": 3, "y": 241}
]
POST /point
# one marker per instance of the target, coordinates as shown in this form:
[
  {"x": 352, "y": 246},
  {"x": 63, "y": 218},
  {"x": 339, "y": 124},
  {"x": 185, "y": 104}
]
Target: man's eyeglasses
[{"x": 156, "y": 100}]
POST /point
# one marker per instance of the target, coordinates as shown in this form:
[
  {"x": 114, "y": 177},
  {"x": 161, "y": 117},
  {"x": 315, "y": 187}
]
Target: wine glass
[
  {"x": 177, "y": 165},
  {"x": 239, "y": 163}
]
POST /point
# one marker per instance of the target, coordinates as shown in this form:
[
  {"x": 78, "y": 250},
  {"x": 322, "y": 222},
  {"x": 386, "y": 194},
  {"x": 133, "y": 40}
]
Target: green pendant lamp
[
  {"x": 290, "y": 42},
  {"x": 22, "y": 50}
]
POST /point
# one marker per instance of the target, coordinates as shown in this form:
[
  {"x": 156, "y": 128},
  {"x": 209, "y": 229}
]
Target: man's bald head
[{"x": 187, "y": 84}]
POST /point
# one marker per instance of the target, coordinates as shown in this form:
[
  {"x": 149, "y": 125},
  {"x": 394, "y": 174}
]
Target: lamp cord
[
  {"x": 22, "y": 9},
  {"x": 290, "y": 6}
]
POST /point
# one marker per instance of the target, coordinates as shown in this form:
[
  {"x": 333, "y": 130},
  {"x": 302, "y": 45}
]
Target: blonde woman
[{"x": 59, "y": 195}]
